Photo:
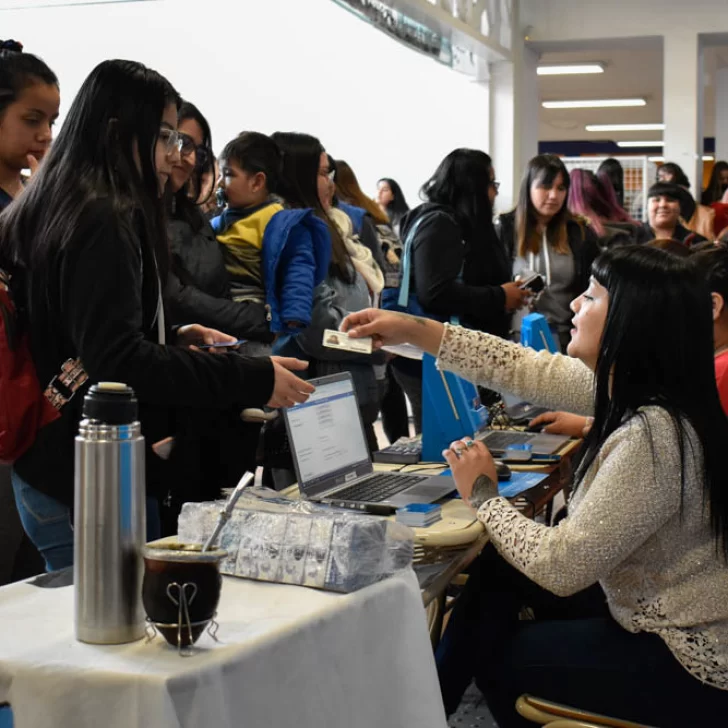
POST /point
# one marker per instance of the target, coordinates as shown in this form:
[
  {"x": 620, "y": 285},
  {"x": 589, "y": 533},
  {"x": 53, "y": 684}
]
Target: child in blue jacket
[{"x": 274, "y": 256}]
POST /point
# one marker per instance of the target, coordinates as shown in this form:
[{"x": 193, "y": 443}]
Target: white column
[
  {"x": 721, "y": 113},
  {"x": 683, "y": 104},
  {"x": 513, "y": 121}
]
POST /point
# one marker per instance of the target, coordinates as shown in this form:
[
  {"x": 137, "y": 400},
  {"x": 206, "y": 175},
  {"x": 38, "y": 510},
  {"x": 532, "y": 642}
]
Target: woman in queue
[
  {"x": 87, "y": 246},
  {"x": 459, "y": 266},
  {"x": 307, "y": 182},
  {"x": 648, "y": 521},
  {"x": 543, "y": 237},
  {"x": 29, "y": 103},
  {"x": 391, "y": 200}
]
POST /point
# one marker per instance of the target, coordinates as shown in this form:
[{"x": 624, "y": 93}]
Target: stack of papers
[{"x": 419, "y": 515}]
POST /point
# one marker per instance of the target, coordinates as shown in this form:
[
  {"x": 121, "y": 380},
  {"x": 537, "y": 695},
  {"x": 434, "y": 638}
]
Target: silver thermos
[{"x": 109, "y": 518}]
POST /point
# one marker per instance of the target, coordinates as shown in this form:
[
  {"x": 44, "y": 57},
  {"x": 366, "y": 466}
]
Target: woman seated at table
[{"x": 648, "y": 520}]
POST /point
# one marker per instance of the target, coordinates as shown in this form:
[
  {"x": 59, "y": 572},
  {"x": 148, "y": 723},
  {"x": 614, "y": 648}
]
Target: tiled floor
[{"x": 473, "y": 712}]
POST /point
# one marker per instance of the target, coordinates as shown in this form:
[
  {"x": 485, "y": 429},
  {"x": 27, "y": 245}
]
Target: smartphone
[
  {"x": 223, "y": 345},
  {"x": 533, "y": 283}
]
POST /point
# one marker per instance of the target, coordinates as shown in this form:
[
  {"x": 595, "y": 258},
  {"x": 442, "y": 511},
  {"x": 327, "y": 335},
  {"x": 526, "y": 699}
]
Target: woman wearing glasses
[
  {"x": 198, "y": 288},
  {"x": 459, "y": 266},
  {"x": 87, "y": 245}
]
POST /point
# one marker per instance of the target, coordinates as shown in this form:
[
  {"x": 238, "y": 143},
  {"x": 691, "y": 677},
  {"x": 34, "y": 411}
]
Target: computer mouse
[
  {"x": 536, "y": 428},
  {"x": 504, "y": 472}
]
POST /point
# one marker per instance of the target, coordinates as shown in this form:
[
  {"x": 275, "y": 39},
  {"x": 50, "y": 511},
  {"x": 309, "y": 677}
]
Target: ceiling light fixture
[
  {"x": 625, "y": 127},
  {"x": 593, "y": 104},
  {"x": 569, "y": 69},
  {"x": 641, "y": 144}
]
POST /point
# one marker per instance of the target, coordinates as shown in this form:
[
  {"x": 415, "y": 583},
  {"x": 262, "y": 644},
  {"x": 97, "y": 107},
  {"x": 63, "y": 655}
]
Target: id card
[{"x": 340, "y": 340}]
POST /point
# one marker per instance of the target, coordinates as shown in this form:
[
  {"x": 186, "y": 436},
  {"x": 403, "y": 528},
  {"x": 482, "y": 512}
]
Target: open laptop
[{"x": 331, "y": 457}]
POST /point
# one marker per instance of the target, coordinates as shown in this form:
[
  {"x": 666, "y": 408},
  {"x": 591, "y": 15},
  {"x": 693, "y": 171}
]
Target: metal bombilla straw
[{"x": 227, "y": 511}]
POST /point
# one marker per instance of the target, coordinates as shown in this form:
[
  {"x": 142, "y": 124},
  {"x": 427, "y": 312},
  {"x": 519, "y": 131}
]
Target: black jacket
[
  {"x": 646, "y": 234},
  {"x": 100, "y": 305},
  {"x": 582, "y": 241},
  {"x": 198, "y": 289},
  {"x": 440, "y": 252}
]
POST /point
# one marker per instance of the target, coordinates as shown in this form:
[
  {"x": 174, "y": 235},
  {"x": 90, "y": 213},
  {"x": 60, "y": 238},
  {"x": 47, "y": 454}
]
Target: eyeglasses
[
  {"x": 495, "y": 185},
  {"x": 188, "y": 144},
  {"x": 173, "y": 140}
]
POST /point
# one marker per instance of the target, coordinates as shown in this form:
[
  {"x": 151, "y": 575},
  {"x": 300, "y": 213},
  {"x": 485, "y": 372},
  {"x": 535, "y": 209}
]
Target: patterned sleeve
[
  {"x": 633, "y": 491},
  {"x": 549, "y": 380}
]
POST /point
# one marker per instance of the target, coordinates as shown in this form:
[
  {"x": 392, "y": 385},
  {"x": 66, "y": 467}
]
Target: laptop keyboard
[
  {"x": 501, "y": 439},
  {"x": 378, "y": 487}
]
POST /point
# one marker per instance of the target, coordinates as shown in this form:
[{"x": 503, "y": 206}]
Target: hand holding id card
[{"x": 340, "y": 340}]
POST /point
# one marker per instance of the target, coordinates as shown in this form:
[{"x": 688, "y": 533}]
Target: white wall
[
  {"x": 267, "y": 65},
  {"x": 579, "y": 20}
]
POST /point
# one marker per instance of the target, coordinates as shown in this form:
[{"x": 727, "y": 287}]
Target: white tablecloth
[{"x": 288, "y": 656}]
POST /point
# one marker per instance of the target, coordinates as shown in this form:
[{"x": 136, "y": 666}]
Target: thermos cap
[{"x": 112, "y": 403}]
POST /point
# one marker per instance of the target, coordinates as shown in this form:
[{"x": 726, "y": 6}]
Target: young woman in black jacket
[
  {"x": 87, "y": 243},
  {"x": 459, "y": 266},
  {"x": 542, "y": 236},
  {"x": 198, "y": 287}
]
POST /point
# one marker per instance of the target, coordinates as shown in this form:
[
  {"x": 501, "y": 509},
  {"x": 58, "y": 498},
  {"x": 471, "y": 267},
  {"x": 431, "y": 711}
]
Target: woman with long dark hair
[
  {"x": 198, "y": 287},
  {"x": 87, "y": 246},
  {"x": 542, "y": 236},
  {"x": 459, "y": 266},
  {"x": 717, "y": 184},
  {"x": 392, "y": 201},
  {"x": 647, "y": 523},
  {"x": 307, "y": 181},
  {"x": 611, "y": 173}
]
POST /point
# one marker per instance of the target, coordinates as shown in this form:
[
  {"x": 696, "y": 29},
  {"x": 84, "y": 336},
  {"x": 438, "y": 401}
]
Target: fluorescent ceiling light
[
  {"x": 641, "y": 144},
  {"x": 569, "y": 69},
  {"x": 593, "y": 104},
  {"x": 706, "y": 158},
  {"x": 625, "y": 127}
]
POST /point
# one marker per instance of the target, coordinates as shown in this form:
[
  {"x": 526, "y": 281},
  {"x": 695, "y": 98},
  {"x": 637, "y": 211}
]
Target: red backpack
[{"x": 24, "y": 409}]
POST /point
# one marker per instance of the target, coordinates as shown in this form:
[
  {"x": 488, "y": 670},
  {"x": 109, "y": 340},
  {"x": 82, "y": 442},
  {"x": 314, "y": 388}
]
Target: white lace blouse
[{"x": 656, "y": 561}]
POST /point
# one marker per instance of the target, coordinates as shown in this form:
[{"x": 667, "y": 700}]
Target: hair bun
[{"x": 13, "y": 46}]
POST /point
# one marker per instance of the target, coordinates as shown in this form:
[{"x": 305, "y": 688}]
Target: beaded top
[{"x": 652, "y": 551}]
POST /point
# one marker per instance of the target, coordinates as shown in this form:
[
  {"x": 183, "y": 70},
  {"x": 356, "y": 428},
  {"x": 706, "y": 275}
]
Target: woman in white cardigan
[{"x": 648, "y": 521}]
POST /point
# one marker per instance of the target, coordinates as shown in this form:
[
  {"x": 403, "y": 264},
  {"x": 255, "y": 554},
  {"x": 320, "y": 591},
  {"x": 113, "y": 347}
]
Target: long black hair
[
  {"x": 542, "y": 170},
  {"x": 189, "y": 196},
  {"x": 715, "y": 190},
  {"x": 461, "y": 182},
  {"x": 18, "y": 71},
  {"x": 398, "y": 207},
  {"x": 657, "y": 349},
  {"x": 676, "y": 171},
  {"x": 298, "y": 186},
  {"x": 104, "y": 150},
  {"x": 611, "y": 172}
]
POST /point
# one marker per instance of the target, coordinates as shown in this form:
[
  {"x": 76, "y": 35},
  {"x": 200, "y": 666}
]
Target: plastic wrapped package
[{"x": 297, "y": 542}]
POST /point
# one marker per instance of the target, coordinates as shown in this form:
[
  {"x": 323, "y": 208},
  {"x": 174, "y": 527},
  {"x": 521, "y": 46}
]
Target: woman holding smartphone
[
  {"x": 459, "y": 266},
  {"x": 87, "y": 246}
]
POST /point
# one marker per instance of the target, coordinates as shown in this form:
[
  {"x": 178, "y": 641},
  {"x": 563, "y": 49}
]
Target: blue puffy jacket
[{"x": 296, "y": 257}]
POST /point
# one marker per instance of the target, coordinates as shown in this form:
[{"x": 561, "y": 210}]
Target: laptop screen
[{"x": 327, "y": 437}]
